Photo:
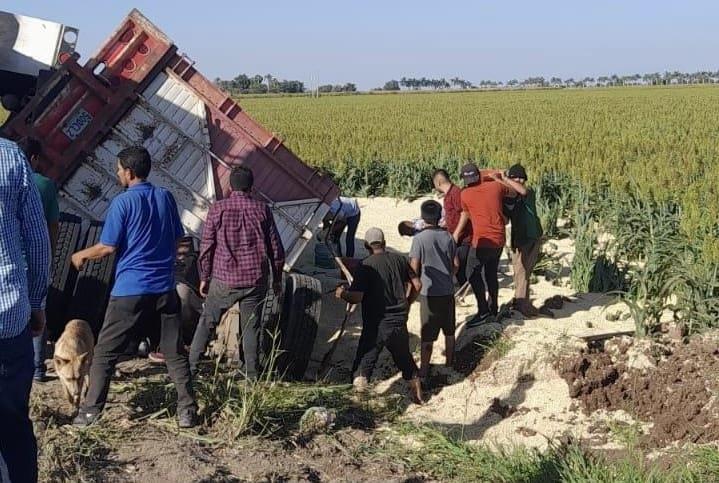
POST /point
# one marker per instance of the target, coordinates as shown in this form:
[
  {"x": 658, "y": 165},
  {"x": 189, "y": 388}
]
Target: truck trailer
[{"x": 139, "y": 90}]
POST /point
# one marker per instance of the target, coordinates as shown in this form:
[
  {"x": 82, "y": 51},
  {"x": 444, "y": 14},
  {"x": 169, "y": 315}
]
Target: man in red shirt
[
  {"x": 240, "y": 246},
  {"x": 452, "y": 212},
  {"x": 482, "y": 204}
]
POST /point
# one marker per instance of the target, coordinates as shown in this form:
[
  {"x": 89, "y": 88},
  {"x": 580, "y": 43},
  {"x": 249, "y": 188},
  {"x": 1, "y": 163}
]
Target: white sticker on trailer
[{"x": 77, "y": 124}]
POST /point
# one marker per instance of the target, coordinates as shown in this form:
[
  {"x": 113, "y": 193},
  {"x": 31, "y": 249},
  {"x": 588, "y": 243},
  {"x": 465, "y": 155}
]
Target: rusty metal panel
[
  {"x": 238, "y": 139},
  {"x": 77, "y": 106}
]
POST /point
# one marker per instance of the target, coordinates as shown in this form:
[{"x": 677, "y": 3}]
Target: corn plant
[
  {"x": 695, "y": 286},
  {"x": 585, "y": 242},
  {"x": 648, "y": 297},
  {"x": 553, "y": 194}
]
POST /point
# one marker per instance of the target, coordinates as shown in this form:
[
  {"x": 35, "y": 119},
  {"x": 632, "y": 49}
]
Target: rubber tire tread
[
  {"x": 270, "y": 318},
  {"x": 93, "y": 286},
  {"x": 64, "y": 275},
  {"x": 299, "y": 323}
]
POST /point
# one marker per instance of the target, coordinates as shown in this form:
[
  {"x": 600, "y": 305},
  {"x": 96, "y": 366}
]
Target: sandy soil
[{"x": 536, "y": 399}]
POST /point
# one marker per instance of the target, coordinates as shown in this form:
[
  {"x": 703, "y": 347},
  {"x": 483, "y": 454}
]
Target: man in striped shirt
[{"x": 24, "y": 267}]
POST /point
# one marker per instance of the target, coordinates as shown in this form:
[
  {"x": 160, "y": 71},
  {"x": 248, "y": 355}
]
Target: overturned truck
[{"x": 138, "y": 90}]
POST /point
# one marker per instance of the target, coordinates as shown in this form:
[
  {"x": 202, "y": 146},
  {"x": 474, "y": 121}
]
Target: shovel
[{"x": 349, "y": 310}]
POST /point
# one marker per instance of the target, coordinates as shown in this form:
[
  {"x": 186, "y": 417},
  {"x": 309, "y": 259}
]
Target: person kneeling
[{"x": 385, "y": 286}]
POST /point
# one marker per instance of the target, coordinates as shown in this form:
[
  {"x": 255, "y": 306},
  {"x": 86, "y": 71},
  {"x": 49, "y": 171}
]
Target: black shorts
[{"x": 436, "y": 313}]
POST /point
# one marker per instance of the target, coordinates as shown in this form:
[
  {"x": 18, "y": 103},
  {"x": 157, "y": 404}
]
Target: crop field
[
  {"x": 662, "y": 140},
  {"x": 638, "y": 164}
]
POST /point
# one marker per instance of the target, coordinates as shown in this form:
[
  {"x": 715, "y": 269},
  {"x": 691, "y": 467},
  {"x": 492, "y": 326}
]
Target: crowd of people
[
  {"x": 162, "y": 282},
  {"x": 158, "y": 282},
  {"x": 458, "y": 243}
]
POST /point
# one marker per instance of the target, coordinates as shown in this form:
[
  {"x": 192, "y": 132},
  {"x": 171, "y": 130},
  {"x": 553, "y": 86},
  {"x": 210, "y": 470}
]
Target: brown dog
[{"x": 73, "y": 356}]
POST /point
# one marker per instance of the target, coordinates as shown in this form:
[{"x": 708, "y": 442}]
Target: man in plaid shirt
[
  {"x": 240, "y": 253},
  {"x": 24, "y": 267}
]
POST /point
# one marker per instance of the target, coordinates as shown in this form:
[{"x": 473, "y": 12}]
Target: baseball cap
[
  {"x": 517, "y": 171},
  {"x": 470, "y": 173},
  {"x": 374, "y": 235}
]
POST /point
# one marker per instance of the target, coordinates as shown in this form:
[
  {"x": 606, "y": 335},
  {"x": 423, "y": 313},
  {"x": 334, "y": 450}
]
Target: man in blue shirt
[
  {"x": 346, "y": 213},
  {"x": 142, "y": 227},
  {"x": 23, "y": 236}
]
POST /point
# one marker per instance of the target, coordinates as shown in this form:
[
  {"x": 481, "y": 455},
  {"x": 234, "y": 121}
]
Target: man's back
[
  {"x": 435, "y": 249},
  {"x": 383, "y": 279},
  {"x": 526, "y": 225},
  {"x": 453, "y": 210},
  {"x": 242, "y": 233},
  {"x": 345, "y": 207},
  {"x": 23, "y": 234},
  {"x": 144, "y": 225},
  {"x": 483, "y": 202}
]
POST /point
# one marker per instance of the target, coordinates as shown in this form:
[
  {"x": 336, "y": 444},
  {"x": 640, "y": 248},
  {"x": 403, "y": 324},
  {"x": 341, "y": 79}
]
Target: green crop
[{"x": 639, "y": 164}]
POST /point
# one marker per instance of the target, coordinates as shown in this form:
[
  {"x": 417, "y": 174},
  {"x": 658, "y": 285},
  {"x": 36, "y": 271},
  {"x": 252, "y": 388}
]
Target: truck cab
[{"x": 30, "y": 51}]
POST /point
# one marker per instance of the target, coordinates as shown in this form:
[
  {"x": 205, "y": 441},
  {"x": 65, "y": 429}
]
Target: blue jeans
[
  {"x": 38, "y": 347},
  {"x": 17, "y": 440}
]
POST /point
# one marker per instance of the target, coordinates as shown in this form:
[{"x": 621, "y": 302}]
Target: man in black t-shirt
[{"x": 385, "y": 285}]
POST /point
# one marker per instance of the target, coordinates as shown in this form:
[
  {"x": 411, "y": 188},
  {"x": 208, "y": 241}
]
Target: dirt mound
[{"x": 673, "y": 386}]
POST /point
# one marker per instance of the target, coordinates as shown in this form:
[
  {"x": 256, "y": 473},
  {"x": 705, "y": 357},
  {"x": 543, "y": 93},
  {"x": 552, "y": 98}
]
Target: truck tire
[
  {"x": 94, "y": 282},
  {"x": 63, "y": 274},
  {"x": 298, "y": 325},
  {"x": 271, "y": 315}
]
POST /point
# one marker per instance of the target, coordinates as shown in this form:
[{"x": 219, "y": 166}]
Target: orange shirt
[{"x": 483, "y": 202}]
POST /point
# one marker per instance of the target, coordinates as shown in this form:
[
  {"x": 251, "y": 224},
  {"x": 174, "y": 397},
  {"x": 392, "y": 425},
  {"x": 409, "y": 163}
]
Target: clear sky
[{"x": 368, "y": 42}]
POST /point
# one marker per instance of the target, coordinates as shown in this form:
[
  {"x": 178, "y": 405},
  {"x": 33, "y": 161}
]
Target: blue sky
[{"x": 370, "y": 42}]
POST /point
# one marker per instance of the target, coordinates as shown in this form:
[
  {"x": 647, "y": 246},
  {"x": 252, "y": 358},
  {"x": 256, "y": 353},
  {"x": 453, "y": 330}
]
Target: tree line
[
  {"x": 654, "y": 78},
  {"x": 259, "y": 84},
  {"x": 262, "y": 84},
  {"x": 424, "y": 83},
  {"x": 349, "y": 87}
]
